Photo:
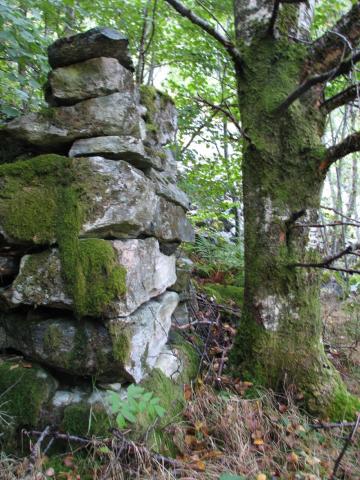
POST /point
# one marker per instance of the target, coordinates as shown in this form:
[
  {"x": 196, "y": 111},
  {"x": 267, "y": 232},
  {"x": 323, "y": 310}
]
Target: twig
[
  {"x": 348, "y": 440},
  {"x": 326, "y": 262},
  {"x": 327, "y": 426},
  {"x": 324, "y": 225},
  {"x": 339, "y": 213}
]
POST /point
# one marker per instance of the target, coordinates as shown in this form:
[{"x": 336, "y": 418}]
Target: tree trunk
[{"x": 279, "y": 339}]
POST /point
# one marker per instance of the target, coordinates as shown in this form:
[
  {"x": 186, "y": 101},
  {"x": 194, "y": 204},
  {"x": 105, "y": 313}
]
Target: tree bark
[{"x": 279, "y": 339}]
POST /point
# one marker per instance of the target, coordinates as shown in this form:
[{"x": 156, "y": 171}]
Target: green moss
[
  {"x": 24, "y": 391},
  {"x": 52, "y": 338},
  {"x": 225, "y": 294},
  {"x": 342, "y": 405},
  {"x": 83, "y": 419},
  {"x": 121, "y": 345},
  {"x": 45, "y": 199}
]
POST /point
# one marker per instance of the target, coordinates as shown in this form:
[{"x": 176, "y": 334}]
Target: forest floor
[{"x": 227, "y": 432}]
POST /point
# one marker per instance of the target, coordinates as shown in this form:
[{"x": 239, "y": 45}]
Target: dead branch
[
  {"x": 36, "y": 449},
  {"x": 330, "y": 209},
  {"x": 325, "y": 225},
  {"x": 200, "y": 22},
  {"x": 350, "y": 144},
  {"x": 327, "y": 426},
  {"x": 348, "y": 441},
  {"x": 226, "y": 111},
  {"x": 326, "y": 262},
  {"x": 346, "y": 96},
  {"x": 328, "y": 50},
  {"x": 343, "y": 68}
]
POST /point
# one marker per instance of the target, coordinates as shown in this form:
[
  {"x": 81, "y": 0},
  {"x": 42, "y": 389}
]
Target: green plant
[{"x": 138, "y": 401}]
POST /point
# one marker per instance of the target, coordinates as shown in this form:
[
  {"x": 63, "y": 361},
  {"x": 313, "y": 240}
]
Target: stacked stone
[{"x": 90, "y": 225}]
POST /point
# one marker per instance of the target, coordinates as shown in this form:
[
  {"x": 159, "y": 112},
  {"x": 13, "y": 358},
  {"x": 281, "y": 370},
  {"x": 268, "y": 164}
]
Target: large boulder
[
  {"x": 126, "y": 348},
  {"x": 56, "y": 129},
  {"x": 96, "y": 77},
  {"x": 148, "y": 274},
  {"x": 97, "y": 42}
]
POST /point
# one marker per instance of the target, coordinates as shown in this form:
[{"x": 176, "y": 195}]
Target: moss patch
[
  {"x": 83, "y": 419},
  {"x": 121, "y": 339},
  {"x": 225, "y": 294},
  {"x": 45, "y": 200},
  {"x": 24, "y": 391}
]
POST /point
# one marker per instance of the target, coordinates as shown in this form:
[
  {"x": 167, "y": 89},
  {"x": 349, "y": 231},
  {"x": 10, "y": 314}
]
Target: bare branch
[
  {"x": 200, "y": 22},
  {"x": 325, "y": 225},
  {"x": 328, "y": 50},
  {"x": 350, "y": 144},
  {"x": 327, "y": 262},
  {"x": 323, "y": 207},
  {"x": 343, "y": 68},
  {"x": 198, "y": 131},
  {"x": 346, "y": 96},
  {"x": 226, "y": 111}
]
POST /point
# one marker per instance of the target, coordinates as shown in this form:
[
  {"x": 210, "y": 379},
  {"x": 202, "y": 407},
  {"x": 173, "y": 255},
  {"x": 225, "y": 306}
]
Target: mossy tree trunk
[
  {"x": 279, "y": 342},
  {"x": 284, "y": 167}
]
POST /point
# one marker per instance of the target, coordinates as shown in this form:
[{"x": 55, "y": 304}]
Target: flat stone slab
[
  {"x": 96, "y": 77},
  {"x": 115, "y": 114},
  {"x": 148, "y": 274},
  {"x": 126, "y": 148},
  {"x": 97, "y": 42}
]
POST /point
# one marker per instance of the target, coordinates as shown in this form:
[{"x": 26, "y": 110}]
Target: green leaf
[
  {"x": 120, "y": 421},
  {"x": 127, "y": 413},
  {"x": 230, "y": 476},
  {"x": 160, "y": 411}
]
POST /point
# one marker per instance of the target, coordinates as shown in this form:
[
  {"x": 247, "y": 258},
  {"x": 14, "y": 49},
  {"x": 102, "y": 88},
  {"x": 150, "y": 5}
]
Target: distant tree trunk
[
  {"x": 147, "y": 35},
  {"x": 70, "y": 19}
]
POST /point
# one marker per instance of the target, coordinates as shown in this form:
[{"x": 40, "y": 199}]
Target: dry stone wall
[{"x": 90, "y": 219}]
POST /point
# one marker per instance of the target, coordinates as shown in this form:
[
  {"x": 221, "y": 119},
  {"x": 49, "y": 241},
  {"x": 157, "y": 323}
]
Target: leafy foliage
[{"x": 138, "y": 401}]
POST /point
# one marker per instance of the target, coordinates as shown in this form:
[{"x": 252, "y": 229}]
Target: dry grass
[{"x": 220, "y": 434}]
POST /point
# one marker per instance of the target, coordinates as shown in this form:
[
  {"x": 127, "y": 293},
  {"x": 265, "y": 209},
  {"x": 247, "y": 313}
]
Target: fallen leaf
[
  {"x": 292, "y": 458},
  {"x": 50, "y": 472},
  {"x": 258, "y": 441},
  {"x": 187, "y": 392},
  {"x": 282, "y": 408},
  {"x": 26, "y": 365},
  {"x": 14, "y": 366},
  {"x": 261, "y": 476},
  {"x": 199, "y": 466}
]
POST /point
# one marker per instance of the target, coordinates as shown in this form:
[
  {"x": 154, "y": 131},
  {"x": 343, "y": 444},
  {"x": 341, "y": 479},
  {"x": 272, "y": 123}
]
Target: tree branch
[
  {"x": 346, "y": 96},
  {"x": 328, "y": 50},
  {"x": 350, "y": 144},
  {"x": 200, "y": 22},
  {"x": 343, "y": 68},
  {"x": 326, "y": 262},
  {"x": 226, "y": 112}
]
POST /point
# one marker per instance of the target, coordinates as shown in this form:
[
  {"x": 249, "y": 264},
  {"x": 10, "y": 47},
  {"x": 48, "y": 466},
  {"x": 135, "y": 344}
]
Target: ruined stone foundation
[{"x": 90, "y": 220}]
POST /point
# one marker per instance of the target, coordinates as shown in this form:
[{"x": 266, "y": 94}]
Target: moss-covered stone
[
  {"x": 44, "y": 200},
  {"x": 121, "y": 341},
  {"x": 84, "y": 419},
  {"x": 225, "y": 294},
  {"x": 24, "y": 390}
]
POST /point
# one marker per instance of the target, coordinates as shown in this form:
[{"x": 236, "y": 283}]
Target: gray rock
[
  {"x": 184, "y": 268},
  {"x": 114, "y": 114},
  {"x": 125, "y": 148},
  {"x": 170, "y": 223},
  {"x": 181, "y": 315},
  {"x": 125, "y": 349},
  {"x": 149, "y": 326},
  {"x": 169, "y": 362},
  {"x": 93, "y": 78},
  {"x": 8, "y": 267},
  {"x": 149, "y": 273},
  {"x": 167, "y": 189},
  {"x": 97, "y": 42},
  {"x": 160, "y": 116},
  {"x": 64, "y": 343},
  {"x": 127, "y": 203}
]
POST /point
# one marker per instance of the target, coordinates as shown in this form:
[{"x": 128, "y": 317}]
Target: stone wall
[{"x": 90, "y": 219}]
